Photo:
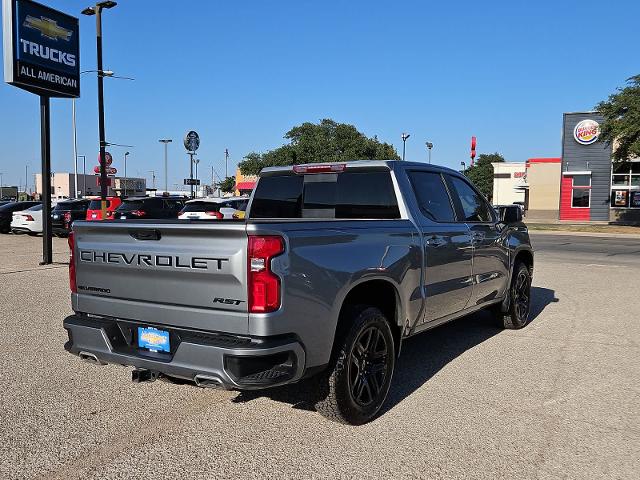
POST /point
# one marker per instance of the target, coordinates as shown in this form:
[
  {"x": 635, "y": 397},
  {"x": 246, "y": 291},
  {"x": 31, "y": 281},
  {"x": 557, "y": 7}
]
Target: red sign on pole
[
  {"x": 108, "y": 156},
  {"x": 98, "y": 183},
  {"x": 473, "y": 149}
]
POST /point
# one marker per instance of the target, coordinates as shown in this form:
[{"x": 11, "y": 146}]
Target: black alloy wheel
[
  {"x": 519, "y": 298},
  {"x": 368, "y": 365},
  {"x": 354, "y": 387}
]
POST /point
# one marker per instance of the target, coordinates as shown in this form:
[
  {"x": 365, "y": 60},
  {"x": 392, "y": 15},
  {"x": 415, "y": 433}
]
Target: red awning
[{"x": 245, "y": 185}]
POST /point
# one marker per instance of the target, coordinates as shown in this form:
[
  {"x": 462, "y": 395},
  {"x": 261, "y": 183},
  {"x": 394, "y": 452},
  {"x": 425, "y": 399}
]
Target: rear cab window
[{"x": 350, "y": 194}]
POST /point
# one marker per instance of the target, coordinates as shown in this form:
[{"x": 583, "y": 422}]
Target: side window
[
  {"x": 433, "y": 198},
  {"x": 473, "y": 207}
]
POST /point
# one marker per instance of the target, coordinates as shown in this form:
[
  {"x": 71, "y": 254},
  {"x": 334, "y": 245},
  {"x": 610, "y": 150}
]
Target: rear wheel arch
[{"x": 378, "y": 293}]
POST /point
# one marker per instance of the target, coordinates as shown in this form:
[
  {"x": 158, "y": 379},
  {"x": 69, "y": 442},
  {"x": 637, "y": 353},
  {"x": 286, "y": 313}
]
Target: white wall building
[
  {"x": 62, "y": 185},
  {"x": 509, "y": 182}
]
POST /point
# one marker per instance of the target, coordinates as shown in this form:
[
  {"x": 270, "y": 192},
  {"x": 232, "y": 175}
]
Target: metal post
[
  {"x": 103, "y": 142},
  {"x": 75, "y": 148},
  {"x": 1, "y": 195},
  {"x": 26, "y": 179},
  {"x": 404, "y": 137},
  {"x": 45, "y": 148},
  {"x": 191, "y": 172},
  {"x": 84, "y": 174},
  {"x": 125, "y": 173},
  {"x": 226, "y": 162}
]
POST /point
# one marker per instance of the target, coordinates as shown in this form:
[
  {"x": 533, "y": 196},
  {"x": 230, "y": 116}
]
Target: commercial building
[
  {"x": 543, "y": 183},
  {"x": 509, "y": 183},
  {"x": 592, "y": 188},
  {"x": 62, "y": 185},
  {"x": 245, "y": 183}
]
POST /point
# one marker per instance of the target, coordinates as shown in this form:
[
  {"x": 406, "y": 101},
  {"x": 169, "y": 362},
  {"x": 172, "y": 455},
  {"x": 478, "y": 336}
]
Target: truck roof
[{"x": 357, "y": 164}]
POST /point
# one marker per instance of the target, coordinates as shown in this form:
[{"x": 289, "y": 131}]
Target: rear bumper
[{"x": 229, "y": 361}]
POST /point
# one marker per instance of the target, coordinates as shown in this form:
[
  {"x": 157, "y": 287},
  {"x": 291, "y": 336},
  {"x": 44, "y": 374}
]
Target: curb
[{"x": 632, "y": 236}]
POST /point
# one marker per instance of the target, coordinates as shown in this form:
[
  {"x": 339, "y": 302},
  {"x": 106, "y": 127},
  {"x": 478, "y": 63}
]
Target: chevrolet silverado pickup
[{"x": 332, "y": 268}]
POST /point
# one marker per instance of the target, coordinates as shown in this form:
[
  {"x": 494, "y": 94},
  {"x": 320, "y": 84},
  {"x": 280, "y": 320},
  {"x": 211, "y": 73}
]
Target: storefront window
[
  {"x": 580, "y": 197},
  {"x": 625, "y": 185},
  {"x": 620, "y": 198}
]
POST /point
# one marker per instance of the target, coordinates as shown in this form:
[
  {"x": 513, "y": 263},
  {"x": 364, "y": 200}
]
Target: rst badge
[{"x": 41, "y": 49}]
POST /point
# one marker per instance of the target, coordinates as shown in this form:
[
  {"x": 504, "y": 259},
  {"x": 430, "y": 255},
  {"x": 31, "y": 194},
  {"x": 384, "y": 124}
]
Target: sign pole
[
  {"x": 191, "y": 174},
  {"x": 103, "y": 142},
  {"x": 45, "y": 146}
]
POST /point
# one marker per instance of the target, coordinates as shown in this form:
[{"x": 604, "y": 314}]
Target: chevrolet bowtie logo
[{"x": 48, "y": 28}]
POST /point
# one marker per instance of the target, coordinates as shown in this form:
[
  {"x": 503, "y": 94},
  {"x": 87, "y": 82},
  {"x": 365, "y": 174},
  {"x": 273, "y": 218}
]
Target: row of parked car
[{"x": 26, "y": 216}]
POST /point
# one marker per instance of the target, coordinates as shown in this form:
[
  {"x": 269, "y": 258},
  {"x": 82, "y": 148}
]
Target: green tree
[
  {"x": 621, "y": 126},
  {"x": 327, "y": 141},
  {"x": 481, "y": 174},
  {"x": 228, "y": 185}
]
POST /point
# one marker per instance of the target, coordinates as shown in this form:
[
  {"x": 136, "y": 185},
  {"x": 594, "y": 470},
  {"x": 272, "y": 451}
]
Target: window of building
[
  {"x": 625, "y": 185},
  {"x": 580, "y": 197},
  {"x": 582, "y": 180}
]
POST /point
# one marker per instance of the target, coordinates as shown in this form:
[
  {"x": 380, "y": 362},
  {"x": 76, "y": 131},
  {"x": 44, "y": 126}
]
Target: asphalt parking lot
[{"x": 558, "y": 399}]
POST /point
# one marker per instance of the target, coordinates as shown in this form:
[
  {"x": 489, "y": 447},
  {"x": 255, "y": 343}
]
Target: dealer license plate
[{"x": 153, "y": 339}]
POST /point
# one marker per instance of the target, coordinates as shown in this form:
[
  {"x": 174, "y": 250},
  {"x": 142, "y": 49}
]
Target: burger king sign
[{"x": 586, "y": 132}]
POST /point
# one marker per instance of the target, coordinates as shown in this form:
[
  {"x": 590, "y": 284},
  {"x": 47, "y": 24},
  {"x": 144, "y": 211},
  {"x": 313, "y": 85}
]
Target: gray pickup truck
[{"x": 334, "y": 265}]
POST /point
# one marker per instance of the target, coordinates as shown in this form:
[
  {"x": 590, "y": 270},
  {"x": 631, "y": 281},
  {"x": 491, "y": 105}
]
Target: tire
[
  {"x": 519, "y": 298},
  {"x": 355, "y": 386}
]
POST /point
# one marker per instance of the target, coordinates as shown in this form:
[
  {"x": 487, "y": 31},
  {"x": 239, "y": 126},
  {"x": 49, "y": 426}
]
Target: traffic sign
[
  {"x": 109, "y": 158},
  {"x": 110, "y": 170},
  {"x": 191, "y": 141},
  {"x": 192, "y": 181}
]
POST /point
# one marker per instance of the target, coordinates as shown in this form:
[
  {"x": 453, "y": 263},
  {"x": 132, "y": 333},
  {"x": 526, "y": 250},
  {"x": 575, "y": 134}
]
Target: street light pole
[
  {"x": 404, "y": 143},
  {"x": 153, "y": 179},
  {"x": 226, "y": 162},
  {"x": 1, "y": 195},
  {"x": 166, "y": 167},
  {"x": 125, "y": 173},
  {"x": 97, "y": 11},
  {"x": 429, "y": 147},
  {"x": 196, "y": 162}
]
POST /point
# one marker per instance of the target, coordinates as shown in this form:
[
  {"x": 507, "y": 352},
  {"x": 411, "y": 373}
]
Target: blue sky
[{"x": 243, "y": 73}]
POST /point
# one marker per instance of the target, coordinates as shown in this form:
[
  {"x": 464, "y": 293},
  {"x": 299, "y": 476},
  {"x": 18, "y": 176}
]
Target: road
[{"x": 558, "y": 399}]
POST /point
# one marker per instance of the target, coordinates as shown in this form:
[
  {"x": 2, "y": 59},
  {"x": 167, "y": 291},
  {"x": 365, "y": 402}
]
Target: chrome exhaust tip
[
  {"x": 90, "y": 358},
  {"x": 206, "y": 381}
]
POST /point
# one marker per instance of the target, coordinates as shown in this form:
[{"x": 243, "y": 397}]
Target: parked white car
[
  {"x": 27, "y": 221},
  {"x": 213, "y": 208}
]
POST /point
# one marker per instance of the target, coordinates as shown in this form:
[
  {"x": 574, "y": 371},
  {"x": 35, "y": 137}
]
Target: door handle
[{"x": 435, "y": 241}]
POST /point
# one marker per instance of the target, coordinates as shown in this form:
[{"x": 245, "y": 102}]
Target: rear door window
[
  {"x": 433, "y": 198},
  {"x": 97, "y": 204}
]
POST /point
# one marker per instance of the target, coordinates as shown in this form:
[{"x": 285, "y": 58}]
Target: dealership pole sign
[
  {"x": 41, "y": 55},
  {"x": 41, "y": 49}
]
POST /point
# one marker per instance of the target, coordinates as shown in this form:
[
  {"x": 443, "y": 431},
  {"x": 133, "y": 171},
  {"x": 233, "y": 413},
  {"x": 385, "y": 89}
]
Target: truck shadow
[{"x": 421, "y": 358}]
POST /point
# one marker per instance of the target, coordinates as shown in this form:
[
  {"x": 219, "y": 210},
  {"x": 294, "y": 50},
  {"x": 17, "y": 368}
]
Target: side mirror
[{"x": 510, "y": 214}]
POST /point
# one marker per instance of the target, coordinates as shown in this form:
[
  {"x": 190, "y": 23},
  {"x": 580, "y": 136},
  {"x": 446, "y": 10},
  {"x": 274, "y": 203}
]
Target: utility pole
[
  {"x": 1, "y": 195},
  {"x": 26, "y": 178},
  {"x": 153, "y": 179},
  {"x": 226, "y": 162}
]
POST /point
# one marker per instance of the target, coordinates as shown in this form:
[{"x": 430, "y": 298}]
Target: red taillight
[
  {"x": 72, "y": 264},
  {"x": 138, "y": 213},
  {"x": 218, "y": 215},
  {"x": 263, "y": 284},
  {"x": 28, "y": 218},
  {"x": 332, "y": 168}
]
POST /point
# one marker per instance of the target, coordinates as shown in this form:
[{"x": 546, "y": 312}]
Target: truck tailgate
[{"x": 176, "y": 273}]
